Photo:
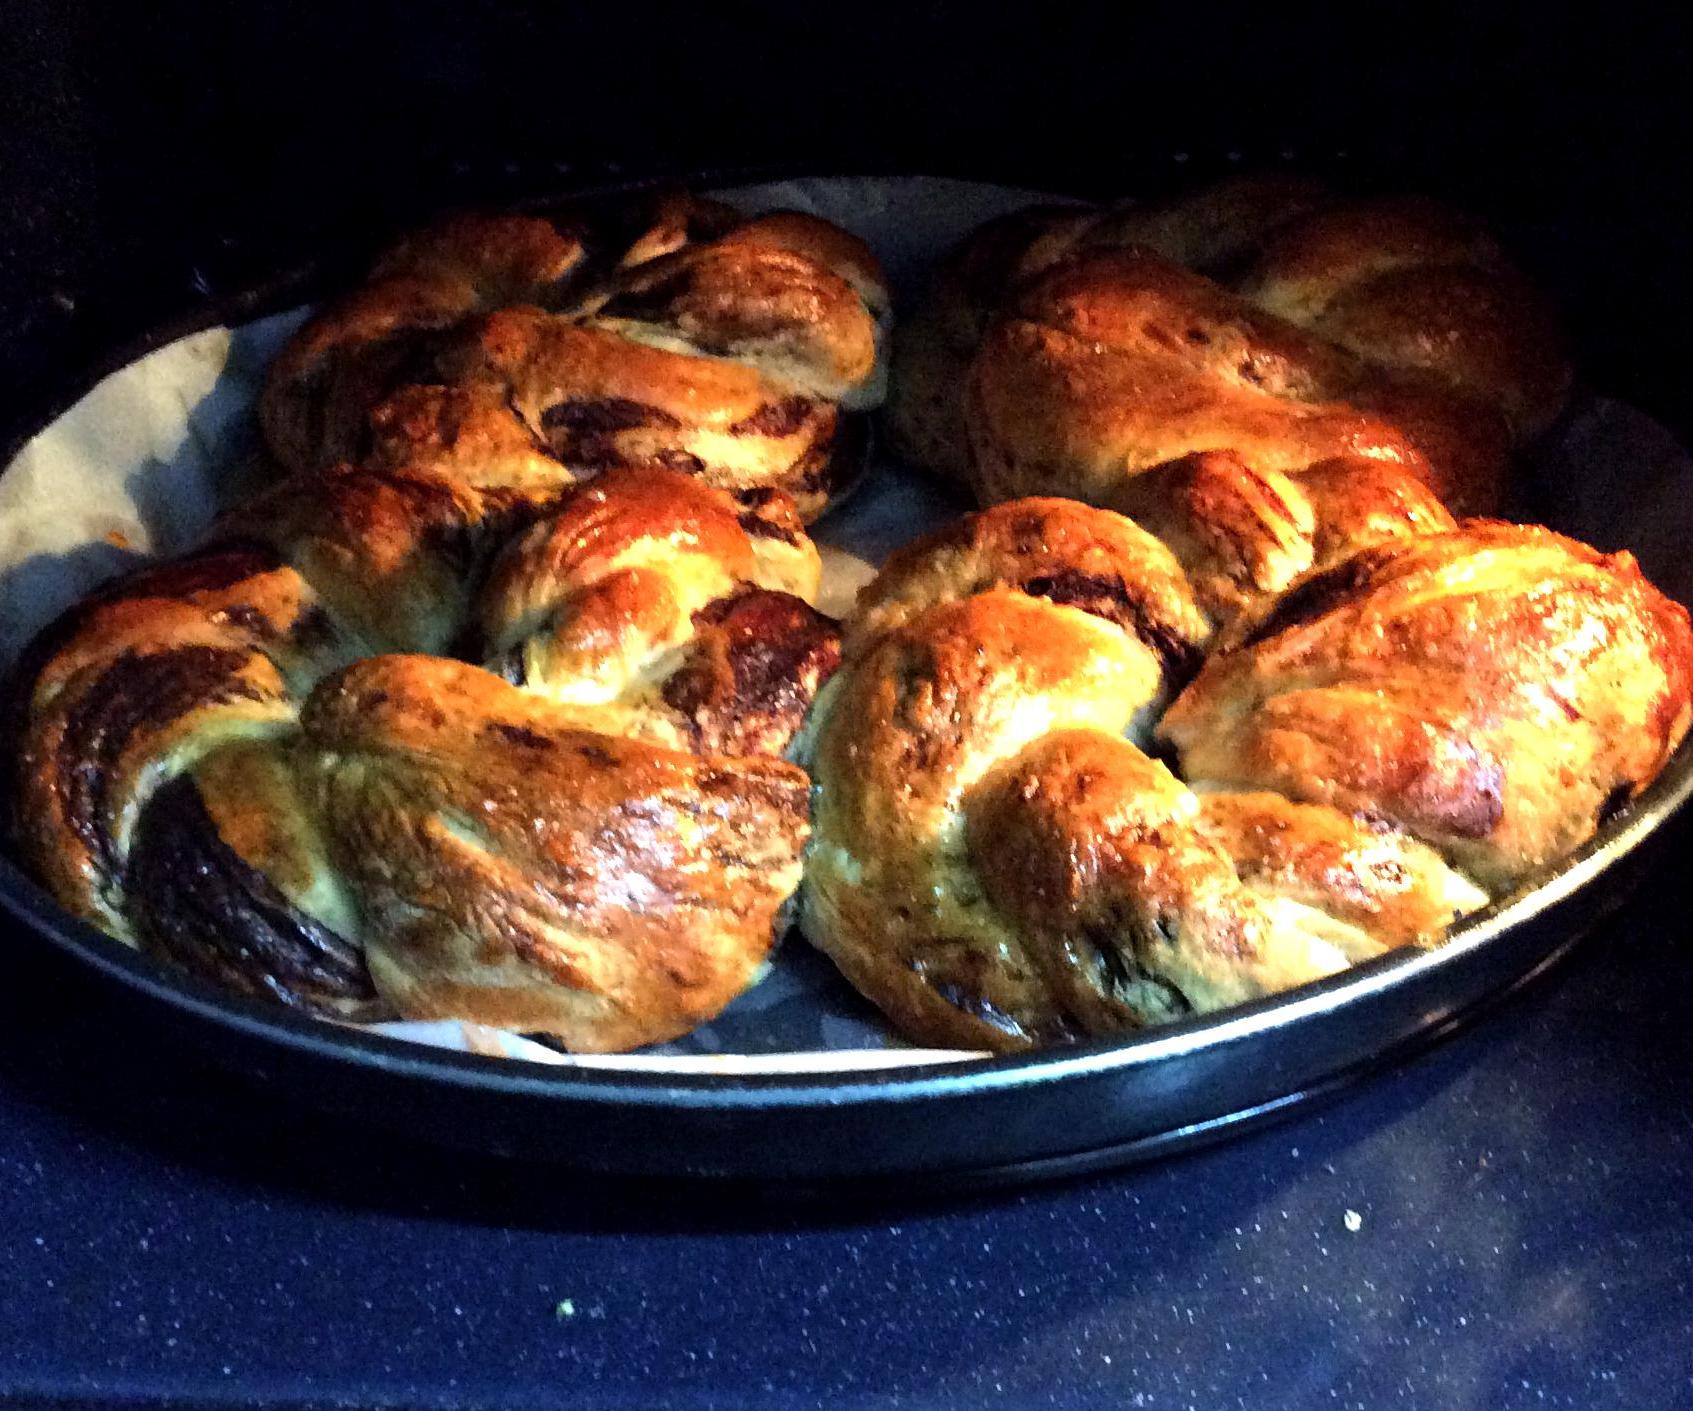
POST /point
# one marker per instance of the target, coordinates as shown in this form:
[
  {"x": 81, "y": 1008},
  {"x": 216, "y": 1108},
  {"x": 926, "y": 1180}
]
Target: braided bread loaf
[
  {"x": 271, "y": 761},
  {"x": 680, "y": 335},
  {"x": 255, "y": 763},
  {"x": 1069, "y": 349},
  {"x": 997, "y": 860},
  {"x": 1382, "y": 714}
]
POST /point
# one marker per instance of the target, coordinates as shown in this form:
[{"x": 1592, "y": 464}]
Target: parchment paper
[{"x": 143, "y": 464}]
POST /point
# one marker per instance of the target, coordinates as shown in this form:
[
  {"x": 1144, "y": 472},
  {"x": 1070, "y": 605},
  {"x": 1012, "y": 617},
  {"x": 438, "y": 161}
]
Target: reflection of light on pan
[{"x": 497, "y": 1043}]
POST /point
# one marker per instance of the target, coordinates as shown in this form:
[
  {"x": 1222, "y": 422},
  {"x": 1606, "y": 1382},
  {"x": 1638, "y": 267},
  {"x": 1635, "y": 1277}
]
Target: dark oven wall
[{"x": 155, "y": 157}]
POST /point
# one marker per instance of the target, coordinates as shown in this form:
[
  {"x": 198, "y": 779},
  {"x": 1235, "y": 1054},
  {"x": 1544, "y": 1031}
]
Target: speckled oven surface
[{"x": 1523, "y": 1240}]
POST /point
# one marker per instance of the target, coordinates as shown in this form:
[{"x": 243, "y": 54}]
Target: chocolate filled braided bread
[
  {"x": 1007, "y": 851},
  {"x": 1067, "y": 350},
  {"x": 673, "y": 334},
  {"x": 1494, "y": 689},
  {"x": 260, "y": 763},
  {"x": 481, "y": 712},
  {"x": 1266, "y": 708}
]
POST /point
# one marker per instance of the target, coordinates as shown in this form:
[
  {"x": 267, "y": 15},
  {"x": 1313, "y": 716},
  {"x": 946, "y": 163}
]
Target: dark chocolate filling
[
  {"x": 1317, "y": 594},
  {"x": 1108, "y": 597},
  {"x": 199, "y": 905},
  {"x": 134, "y": 691},
  {"x": 757, "y": 664},
  {"x": 778, "y": 419}
]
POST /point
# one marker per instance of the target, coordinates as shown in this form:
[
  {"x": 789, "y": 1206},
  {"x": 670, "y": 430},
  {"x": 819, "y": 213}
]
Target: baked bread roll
[
  {"x": 997, "y": 862},
  {"x": 133, "y": 686},
  {"x": 1496, "y": 690},
  {"x": 1119, "y": 361},
  {"x": 681, "y": 336},
  {"x": 652, "y": 612},
  {"x": 518, "y": 868},
  {"x": 278, "y": 762},
  {"x": 1068, "y": 350},
  {"x": 257, "y": 764}
]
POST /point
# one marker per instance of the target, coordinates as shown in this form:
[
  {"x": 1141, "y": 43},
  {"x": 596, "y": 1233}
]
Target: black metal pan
[{"x": 1000, "y": 1118}]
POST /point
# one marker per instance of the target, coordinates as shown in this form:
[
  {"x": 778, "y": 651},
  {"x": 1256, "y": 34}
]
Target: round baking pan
[{"x": 1002, "y": 1118}]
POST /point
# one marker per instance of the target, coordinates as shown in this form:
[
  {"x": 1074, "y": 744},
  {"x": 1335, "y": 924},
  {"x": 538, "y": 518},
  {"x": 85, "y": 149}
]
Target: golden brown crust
[
  {"x": 333, "y": 371},
  {"x": 502, "y": 259},
  {"x": 1118, "y": 362},
  {"x": 1207, "y": 231},
  {"x": 1353, "y": 870},
  {"x": 823, "y": 243},
  {"x": 1493, "y": 690},
  {"x": 1411, "y": 286},
  {"x": 1244, "y": 535},
  {"x": 597, "y": 400},
  {"x": 166, "y": 793},
  {"x": 466, "y": 435},
  {"x": 1135, "y": 908},
  {"x": 137, "y": 683},
  {"x": 635, "y": 602},
  {"x": 1049, "y": 411},
  {"x": 1240, "y": 534},
  {"x": 519, "y": 869},
  {"x": 1086, "y": 844},
  {"x": 1133, "y": 299},
  {"x": 388, "y": 554},
  {"x": 1056, "y": 550},
  {"x": 600, "y": 845},
  {"x": 680, "y": 292},
  {"x": 659, "y": 519},
  {"x": 759, "y": 304},
  {"x": 1389, "y": 328},
  {"x": 1212, "y": 230},
  {"x": 994, "y": 865},
  {"x": 1357, "y": 502},
  {"x": 898, "y": 737}
]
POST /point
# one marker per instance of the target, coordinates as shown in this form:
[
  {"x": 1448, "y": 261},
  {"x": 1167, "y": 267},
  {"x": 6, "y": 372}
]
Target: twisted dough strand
[
  {"x": 518, "y": 868},
  {"x": 1495, "y": 689},
  {"x": 683, "y": 337},
  {"x": 188, "y": 776},
  {"x": 603, "y": 856},
  {"x": 1263, "y": 316},
  {"x": 997, "y": 862}
]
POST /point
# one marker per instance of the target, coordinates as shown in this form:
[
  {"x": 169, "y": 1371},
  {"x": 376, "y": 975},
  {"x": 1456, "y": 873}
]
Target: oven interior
[{"x": 156, "y": 158}]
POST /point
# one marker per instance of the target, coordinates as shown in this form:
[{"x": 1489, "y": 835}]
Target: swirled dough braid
[
  {"x": 189, "y": 782},
  {"x": 135, "y": 684},
  {"x": 1496, "y": 690},
  {"x": 645, "y": 605},
  {"x": 996, "y": 862},
  {"x": 1067, "y": 349},
  {"x": 517, "y": 868},
  {"x": 678, "y": 335}
]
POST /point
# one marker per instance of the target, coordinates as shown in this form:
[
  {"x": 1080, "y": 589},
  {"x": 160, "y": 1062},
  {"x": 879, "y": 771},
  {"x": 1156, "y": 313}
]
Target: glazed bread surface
[
  {"x": 1066, "y": 350},
  {"x": 999, "y": 862},
  {"x": 259, "y": 764},
  {"x": 672, "y": 333},
  {"x": 1003, "y": 852},
  {"x": 1495, "y": 689}
]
